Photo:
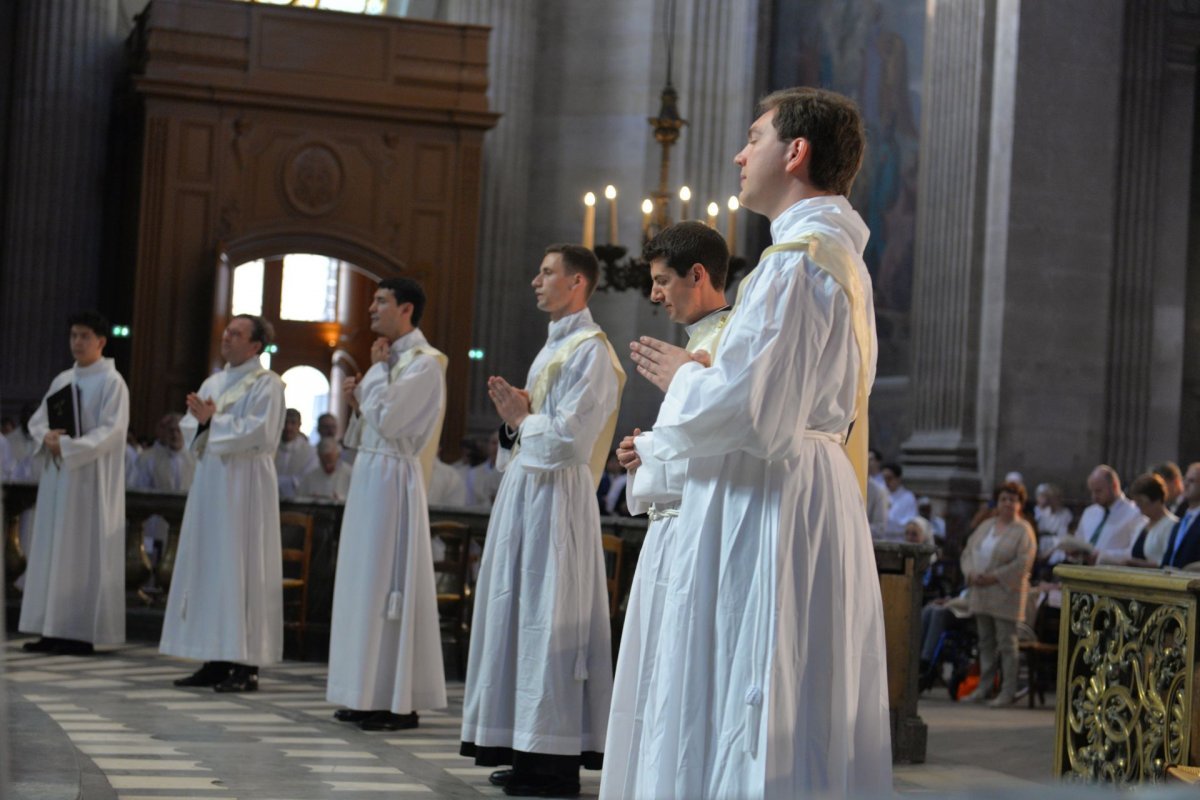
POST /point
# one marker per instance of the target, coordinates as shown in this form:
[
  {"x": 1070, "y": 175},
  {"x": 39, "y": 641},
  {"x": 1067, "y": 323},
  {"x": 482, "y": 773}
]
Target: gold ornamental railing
[{"x": 1127, "y": 702}]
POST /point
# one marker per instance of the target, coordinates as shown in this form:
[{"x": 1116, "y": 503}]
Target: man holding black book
[{"x": 75, "y": 585}]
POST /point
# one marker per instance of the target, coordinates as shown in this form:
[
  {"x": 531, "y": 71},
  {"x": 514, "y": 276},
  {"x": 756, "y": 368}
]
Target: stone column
[{"x": 64, "y": 63}]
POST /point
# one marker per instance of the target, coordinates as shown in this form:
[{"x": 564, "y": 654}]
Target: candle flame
[
  {"x": 647, "y": 206},
  {"x": 610, "y": 192},
  {"x": 685, "y": 194},
  {"x": 734, "y": 205},
  {"x": 713, "y": 209},
  {"x": 589, "y": 199}
]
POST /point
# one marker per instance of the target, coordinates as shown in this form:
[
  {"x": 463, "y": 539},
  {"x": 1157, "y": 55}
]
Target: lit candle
[
  {"x": 712, "y": 209},
  {"x": 610, "y": 192},
  {"x": 589, "y": 220},
  {"x": 647, "y": 210},
  {"x": 731, "y": 231},
  {"x": 685, "y": 195}
]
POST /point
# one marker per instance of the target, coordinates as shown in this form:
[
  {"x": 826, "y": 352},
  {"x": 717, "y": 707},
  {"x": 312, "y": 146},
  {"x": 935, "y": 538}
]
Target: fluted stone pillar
[{"x": 50, "y": 248}]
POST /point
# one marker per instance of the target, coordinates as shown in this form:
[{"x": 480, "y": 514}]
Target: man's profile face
[
  {"x": 891, "y": 479},
  {"x": 86, "y": 345},
  {"x": 762, "y": 161},
  {"x": 389, "y": 318},
  {"x": 553, "y": 286},
  {"x": 291, "y": 426},
  {"x": 1191, "y": 485},
  {"x": 236, "y": 345},
  {"x": 168, "y": 432},
  {"x": 678, "y": 294},
  {"x": 1101, "y": 490}
]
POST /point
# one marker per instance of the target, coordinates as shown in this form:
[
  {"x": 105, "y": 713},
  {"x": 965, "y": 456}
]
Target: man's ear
[
  {"x": 698, "y": 273},
  {"x": 406, "y": 309},
  {"x": 799, "y": 150}
]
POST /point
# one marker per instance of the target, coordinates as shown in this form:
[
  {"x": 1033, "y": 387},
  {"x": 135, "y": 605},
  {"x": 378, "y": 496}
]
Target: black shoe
[
  {"x": 387, "y": 721},
  {"x": 542, "y": 786},
  {"x": 42, "y": 645},
  {"x": 351, "y": 715},
  {"x": 210, "y": 674},
  {"x": 500, "y": 777},
  {"x": 241, "y": 679},
  {"x": 72, "y": 647}
]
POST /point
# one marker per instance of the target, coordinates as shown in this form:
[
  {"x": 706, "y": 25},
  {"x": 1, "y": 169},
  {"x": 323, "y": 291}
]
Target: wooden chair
[
  {"x": 614, "y": 548},
  {"x": 1041, "y": 653},
  {"x": 451, "y": 573},
  {"x": 292, "y": 522}
]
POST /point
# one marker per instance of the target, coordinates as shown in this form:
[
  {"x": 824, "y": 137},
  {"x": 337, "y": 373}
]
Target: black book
[{"x": 62, "y": 408}]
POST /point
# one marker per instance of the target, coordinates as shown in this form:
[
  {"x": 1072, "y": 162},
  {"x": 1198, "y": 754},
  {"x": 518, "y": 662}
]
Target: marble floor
[{"x": 137, "y": 737}]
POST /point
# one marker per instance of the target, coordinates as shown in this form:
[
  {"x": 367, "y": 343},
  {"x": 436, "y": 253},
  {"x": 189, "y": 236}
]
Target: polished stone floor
[{"x": 137, "y": 737}]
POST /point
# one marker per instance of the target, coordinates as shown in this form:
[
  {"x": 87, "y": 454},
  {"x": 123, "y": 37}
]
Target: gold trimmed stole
[
  {"x": 429, "y": 452},
  {"x": 545, "y": 379}
]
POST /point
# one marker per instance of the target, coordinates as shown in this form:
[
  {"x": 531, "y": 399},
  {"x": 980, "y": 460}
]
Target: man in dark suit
[{"x": 1183, "y": 547}]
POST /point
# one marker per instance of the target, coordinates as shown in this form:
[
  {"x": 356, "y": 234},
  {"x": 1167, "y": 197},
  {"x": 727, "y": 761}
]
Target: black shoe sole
[
  {"x": 528, "y": 790},
  {"x": 351, "y": 715}
]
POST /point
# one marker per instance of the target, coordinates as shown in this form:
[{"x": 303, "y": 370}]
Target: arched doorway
[{"x": 318, "y": 307}]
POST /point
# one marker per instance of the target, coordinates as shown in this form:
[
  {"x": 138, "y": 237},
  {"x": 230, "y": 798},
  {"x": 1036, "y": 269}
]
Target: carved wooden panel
[{"x": 270, "y": 131}]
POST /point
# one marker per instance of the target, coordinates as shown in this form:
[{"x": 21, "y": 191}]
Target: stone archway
[{"x": 269, "y": 130}]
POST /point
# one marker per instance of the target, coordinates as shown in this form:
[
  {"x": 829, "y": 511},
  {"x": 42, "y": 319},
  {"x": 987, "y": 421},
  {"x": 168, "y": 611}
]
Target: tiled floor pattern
[{"x": 153, "y": 741}]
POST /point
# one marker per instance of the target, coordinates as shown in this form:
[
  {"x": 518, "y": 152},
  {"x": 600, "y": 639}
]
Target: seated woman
[
  {"x": 996, "y": 565},
  {"x": 1149, "y": 493}
]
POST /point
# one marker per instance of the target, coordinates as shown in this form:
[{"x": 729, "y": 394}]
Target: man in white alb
[
  {"x": 688, "y": 265},
  {"x": 329, "y": 478},
  {"x": 385, "y": 646},
  {"x": 539, "y": 675},
  {"x": 295, "y": 455},
  {"x": 74, "y": 594},
  {"x": 225, "y": 606},
  {"x": 773, "y": 615},
  {"x": 166, "y": 466}
]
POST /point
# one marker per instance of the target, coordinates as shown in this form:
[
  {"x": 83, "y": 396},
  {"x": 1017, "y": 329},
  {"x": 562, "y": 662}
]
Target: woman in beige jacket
[{"x": 996, "y": 564}]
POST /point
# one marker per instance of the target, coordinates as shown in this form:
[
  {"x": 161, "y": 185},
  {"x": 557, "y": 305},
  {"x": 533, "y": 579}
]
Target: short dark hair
[
  {"x": 895, "y": 469},
  {"x": 292, "y": 412},
  {"x": 578, "y": 260},
  {"x": 1013, "y": 488},
  {"x": 878, "y": 455},
  {"x": 833, "y": 127},
  {"x": 686, "y": 243},
  {"x": 1168, "y": 471},
  {"x": 261, "y": 331},
  {"x": 406, "y": 290},
  {"x": 90, "y": 319},
  {"x": 1150, "y": 486}
]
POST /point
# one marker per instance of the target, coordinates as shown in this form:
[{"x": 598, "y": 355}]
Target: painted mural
[{"x": 871, "y": 51}]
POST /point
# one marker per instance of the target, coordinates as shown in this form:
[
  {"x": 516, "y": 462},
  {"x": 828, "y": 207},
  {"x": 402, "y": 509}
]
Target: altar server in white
[
  {"x": 385, "y": 647},
  {"x": 688, "y": 265},
  {"x": 773, "y": 618},
  {"x": 295, "y": 455},
  {"x": 226, "y": 601},
  {"x": 74, "y": 594},
  {"x": 539, "y": 676}
]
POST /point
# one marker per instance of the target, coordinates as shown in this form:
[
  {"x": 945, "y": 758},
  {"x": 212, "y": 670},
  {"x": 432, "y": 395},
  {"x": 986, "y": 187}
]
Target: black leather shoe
[
  {"x": 241, "y": 679},
  {"x": 500, "y": 777},
  {"x": 540, "y": 786},
  {"x": 210, "y": 674},
  {"x": 387, "y": 721},
  {"x": 72, "y": 647},
  {"x": 351, "y": 715},
  {"x": 42, "y": 645}
]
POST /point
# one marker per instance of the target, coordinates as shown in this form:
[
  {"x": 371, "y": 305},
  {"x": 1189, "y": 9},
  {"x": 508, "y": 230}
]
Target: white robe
[
  {"x": 75, "y": 581},
  {"x": 773, "y": 613},
  {"x": 292, "y": 460},
  {"x": 656, "y": 489},
  {"x": 446, "y": 487},
  {"x": 388, "y": 654},
  {"x": 161, "y": 469},
  {"x": 539, "y": 675},
  {"x": 226, "y": 598}
]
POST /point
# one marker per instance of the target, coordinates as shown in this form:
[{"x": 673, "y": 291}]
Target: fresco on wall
[{"x": 872, "y": 52}]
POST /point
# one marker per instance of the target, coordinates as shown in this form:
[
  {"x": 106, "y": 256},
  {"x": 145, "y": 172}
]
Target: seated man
[
  {"x": 329, "y": 478},
  {"x": 294, "y": 457}
]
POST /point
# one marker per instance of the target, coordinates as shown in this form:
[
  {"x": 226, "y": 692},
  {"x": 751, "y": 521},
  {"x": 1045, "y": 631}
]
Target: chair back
[
  {"x": 450, "y": 571},
  {"x": 291, "y": 522},
  {"x": 614, "y": 548}
]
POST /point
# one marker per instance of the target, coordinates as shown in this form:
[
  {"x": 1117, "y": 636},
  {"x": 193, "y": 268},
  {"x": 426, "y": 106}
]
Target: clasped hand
[
  {"x": 53, "y": 441},
  {"x": 627, "y": 454},
  {"x": 658, "y": 361},
  {"x": 201, "y": 408},
  {"x": 511, "y": 403}
]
